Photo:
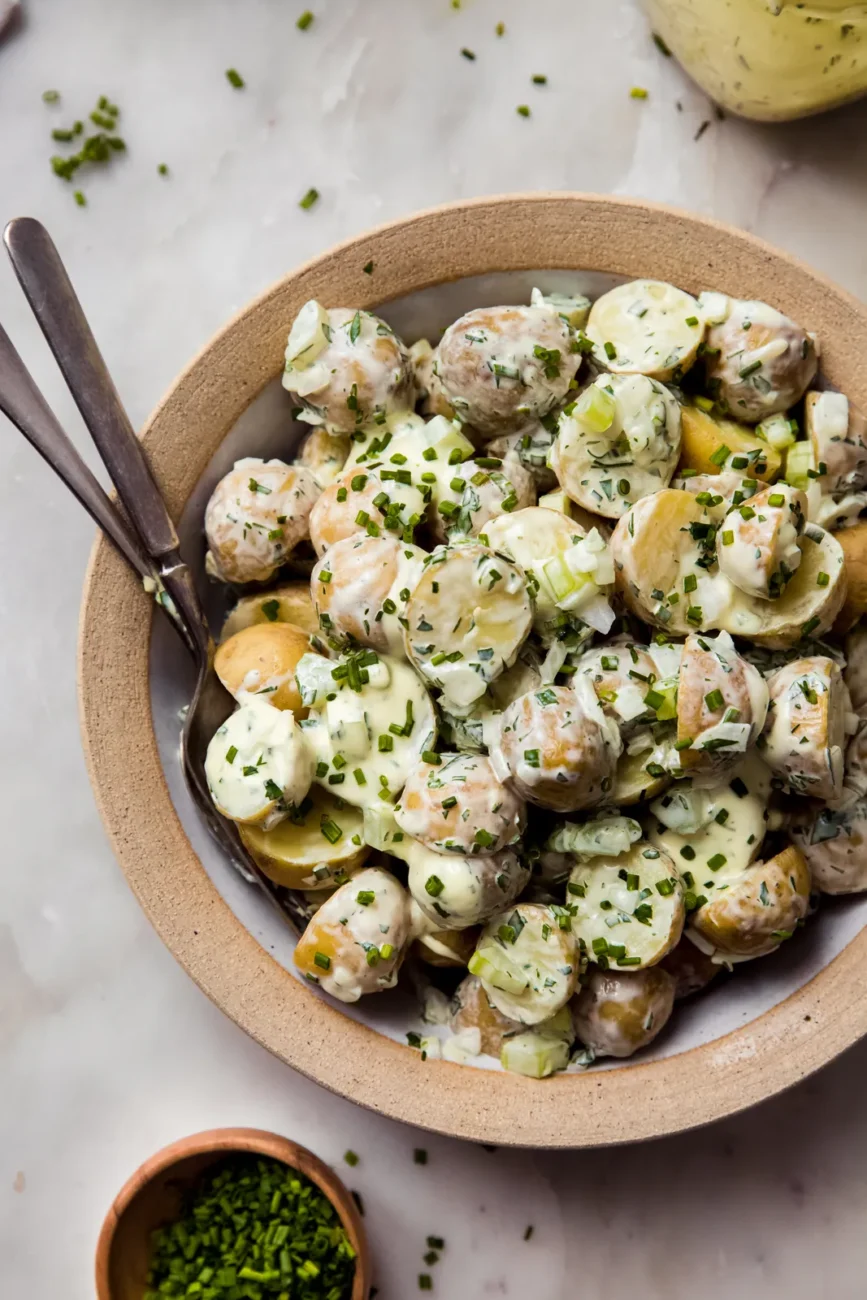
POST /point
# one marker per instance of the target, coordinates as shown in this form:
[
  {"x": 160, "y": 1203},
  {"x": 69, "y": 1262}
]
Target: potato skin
[
  {"x": 473, "y": 1009},
  {"x": 291, "y": 602},
  {"x": 260, "y": 656},
  {"x": 616, "y": 1013},
  {"x": 759, "y": 910},
  {"x": 835, "y": 847},
  {"x": 691, "y": 969}
]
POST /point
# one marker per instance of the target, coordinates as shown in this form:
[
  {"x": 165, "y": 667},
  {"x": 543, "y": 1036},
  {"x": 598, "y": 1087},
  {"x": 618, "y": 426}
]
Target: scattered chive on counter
[
  {"x": 163, "y": 170},
  {"x": 252, "y": 1229},
  {"x": 311, "y": 197},
  {"x": 304, "y": 21},
  {"x": 500, "y": 29},
  {"x": 638, "y": 92},
  {"x": 661, "y": 45},
  {"x": 523, "y": 110},
  {"x": 98, "y": 148},
  {"x": 234, "y": 78},
  {"x": 539, "y": 79}
]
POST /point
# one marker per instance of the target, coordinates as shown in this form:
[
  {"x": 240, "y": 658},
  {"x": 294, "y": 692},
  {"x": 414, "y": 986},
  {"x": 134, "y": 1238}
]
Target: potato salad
[{"x": 548, "y": 663}]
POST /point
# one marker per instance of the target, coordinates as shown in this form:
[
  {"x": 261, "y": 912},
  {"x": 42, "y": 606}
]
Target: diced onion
[
  {"x": 601, "y": 837},
  {"x": 683, "y": 811},
  {"x": 715, "y": 307},
  {"x": 534, "y": 1055},
  {"x": 314, "y": 680},
  {"x": 306, "y": 337}
]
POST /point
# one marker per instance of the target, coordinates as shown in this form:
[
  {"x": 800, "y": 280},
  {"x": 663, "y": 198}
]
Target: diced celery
[
  {"x": 556, "y": 501},
  {"x": 534, "y": 1055},
  {"x": 799, "y": 460},
  {"x": 493, "y": 967},
  {"x": 776, "y": 431},
  {"x": 667, "y": 688},
  {"x": 558, "y": 1026},
  {"x": 560, "y": 578},
  {"x": 595, "y": 409}
]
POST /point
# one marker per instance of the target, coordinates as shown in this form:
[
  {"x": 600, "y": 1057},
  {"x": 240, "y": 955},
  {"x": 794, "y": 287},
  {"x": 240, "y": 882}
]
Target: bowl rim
[
  {"x": 526, "y": 232},
  {"x": 253, "y": 1141}
]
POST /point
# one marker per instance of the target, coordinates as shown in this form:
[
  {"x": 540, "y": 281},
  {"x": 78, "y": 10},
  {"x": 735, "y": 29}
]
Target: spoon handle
[
  {"x": 23, "y": 403},
  {"x": 54, "y": 303}
]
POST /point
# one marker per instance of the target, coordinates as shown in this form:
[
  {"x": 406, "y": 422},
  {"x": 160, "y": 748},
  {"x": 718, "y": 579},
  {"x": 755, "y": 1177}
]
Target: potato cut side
[
  {"x": 314, "y": 851},
  {"x": 289, "y": 603},
  {"x": 808, "y": 606},
  {"x": 633, "y": 783},
  {"x": 646, "y": 327},
  {"x": 853, "y": 543},
  {"x": 760, "y": 910},
  {"x": 704, "y": 441}
]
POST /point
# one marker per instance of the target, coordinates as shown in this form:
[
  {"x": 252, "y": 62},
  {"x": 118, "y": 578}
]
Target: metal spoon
[{"x": 151, "y": 545}]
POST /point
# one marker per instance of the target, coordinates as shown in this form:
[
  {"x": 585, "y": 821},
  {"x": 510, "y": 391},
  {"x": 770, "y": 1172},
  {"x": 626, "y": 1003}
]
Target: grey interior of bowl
[{"x": 267, "y": 429}]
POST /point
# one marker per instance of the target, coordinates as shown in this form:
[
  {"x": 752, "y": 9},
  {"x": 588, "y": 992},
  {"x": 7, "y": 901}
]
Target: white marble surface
[{"x": 107, "y": 1050}]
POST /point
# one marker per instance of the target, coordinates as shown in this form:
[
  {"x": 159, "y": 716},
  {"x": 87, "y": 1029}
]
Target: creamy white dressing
[
  {"x": 455, "y": 890},
  {"x": 360, "y": 587},
  {"x": 528, "y": 963},
  {"x": 256, "y": 514},
  {"x": 607, "y": 470},
  {"x": 360, "y": 743},
  {"x": 629, "y": 909},
  {"x": 730, "y": 822},
  {"x": 370, "y": 913},
  {"x": 257, "y": 764},
  {"x": 466, "y": 619},
  {"x": 460, "y": 805}
]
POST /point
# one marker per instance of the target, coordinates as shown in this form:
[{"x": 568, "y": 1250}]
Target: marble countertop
[{"x": 107, "y": 1050}]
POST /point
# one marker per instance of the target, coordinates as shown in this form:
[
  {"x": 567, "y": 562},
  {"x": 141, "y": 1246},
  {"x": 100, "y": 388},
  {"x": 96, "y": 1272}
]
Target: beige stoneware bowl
[{"x": 760, "y": 1032}]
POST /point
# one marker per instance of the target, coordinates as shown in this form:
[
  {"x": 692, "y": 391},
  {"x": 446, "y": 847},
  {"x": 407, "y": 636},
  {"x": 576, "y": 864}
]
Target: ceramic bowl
[
  {"x": 743, "y": 1041},
  {"x": 154, "y": 1195}
]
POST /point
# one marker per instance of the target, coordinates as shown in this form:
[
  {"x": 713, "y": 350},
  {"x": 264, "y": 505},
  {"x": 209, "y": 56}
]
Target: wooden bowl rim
[
  {"x": 252, "y": 1141},
  {"x": 511, "y": 232}
]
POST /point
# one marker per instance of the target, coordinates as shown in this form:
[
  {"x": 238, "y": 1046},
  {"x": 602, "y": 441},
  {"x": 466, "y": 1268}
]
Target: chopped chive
[
  {"x": 304, "y": 21},
  {"x": 714, "y": 700},
  {"x": 368, "y": 268},
  {"x": 311, "y": 197},
  {"x": 50, "y": 96},
  {"x": 351, "y": 1158},
  {"x": 419, "y": 1156},
  {"x": 322, "y": 961},
  {"x": 234, "y": 78},
  {"x": 638, "y": 92},
  {"x": 539, "y": 79},
  {"x": 79, "y": 198},
  {"x": 468, "y": 54},
  {"x": 523, "y": 110},
  {"x": 661, "y": 45}
]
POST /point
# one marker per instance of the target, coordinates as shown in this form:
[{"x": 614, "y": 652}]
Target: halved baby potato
[
  {"x": 838, "y": 435},
  {"x": 629, "y": 909},
  {"x": 710, "y": 445},
  {"x": 853, "y": 543},
  {"x": 261, "y": 661},
  {"x": 809, "y": 604},
  {"x": 691, "y": 969},
  {"x": 646, "y": 327},
  {"x": 722, "y": 702},
  {"x": 633, "y": 783},
  {"x": 661, "y": 548},
  {"x": 315, "y": 848},
  {"x": 805, "y": 734},
  {"x": 473, "y": 1009},
  {"x": 617, "y": 1012},
  {"x": 528, "y": 962},
  {"x": 289, "y": 603},
  {"x": 835, "y": 846},
  {"x": 758, "y": 911}
]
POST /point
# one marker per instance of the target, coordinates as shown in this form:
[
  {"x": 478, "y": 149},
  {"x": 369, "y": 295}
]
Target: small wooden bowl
[{"x": 154, "y": 1195}]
